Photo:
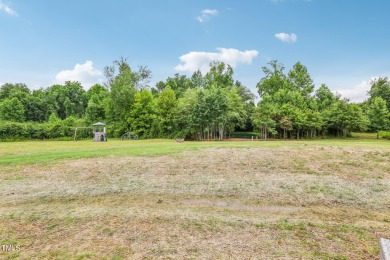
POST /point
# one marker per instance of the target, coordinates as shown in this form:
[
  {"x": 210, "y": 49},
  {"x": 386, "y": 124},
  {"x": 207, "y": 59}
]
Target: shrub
[
  {"x": 384, "y": 134},
  {"x": 55, "y": 129}
]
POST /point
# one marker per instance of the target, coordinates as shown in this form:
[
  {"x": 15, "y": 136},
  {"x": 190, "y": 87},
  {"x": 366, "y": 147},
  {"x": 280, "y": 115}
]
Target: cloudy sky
[{"x": 344, "y": 43}]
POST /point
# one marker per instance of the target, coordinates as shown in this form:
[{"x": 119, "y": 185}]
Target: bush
[
  {"x": 13, "y": 131},
  {"x": 384, "y": 134},
  {"x": 56, "y": 129}
]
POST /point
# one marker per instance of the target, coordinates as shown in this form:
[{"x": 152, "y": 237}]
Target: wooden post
[
  {"x": 385, "y": 249},
  {"x": 75, "y": 135}
]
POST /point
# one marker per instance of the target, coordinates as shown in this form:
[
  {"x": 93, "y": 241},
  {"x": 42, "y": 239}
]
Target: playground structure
[
  {"x": 99, "y": 132},
  {"x": 129, "y": 136}
]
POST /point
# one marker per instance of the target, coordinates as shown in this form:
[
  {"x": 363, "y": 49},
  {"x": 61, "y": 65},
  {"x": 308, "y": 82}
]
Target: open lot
[{"x": 323, "y": 199}]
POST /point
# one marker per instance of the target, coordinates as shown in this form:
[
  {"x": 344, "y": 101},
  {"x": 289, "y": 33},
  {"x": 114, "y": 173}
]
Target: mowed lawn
[{"x": 322, "y": 199}]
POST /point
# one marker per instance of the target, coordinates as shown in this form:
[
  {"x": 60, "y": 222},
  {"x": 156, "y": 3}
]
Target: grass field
[{"x": 322, "y": 199}]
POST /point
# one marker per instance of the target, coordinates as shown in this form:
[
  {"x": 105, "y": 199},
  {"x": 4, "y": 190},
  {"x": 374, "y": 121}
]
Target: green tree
[
  {"x": 314, "y": 123},
  {"x": 356, "y": 120},
  {"x": 7, "y": 89},
  {"x": 166, "y": 105},
  {"x": 220, "y": 74},
  {"x": 185, "y": 117},
  {"x": 378, "y": 115},
  {"x": 97, "y": 90},
  {"x": 143, "y": 114},
  {"x": 300, "y": 120},
  {"x": 197, "y": 79},
  {"x": 96, "y": 110},
  {"x": 67, "y": 100},
  {"x": 286, "y": 124},
  {"x": 262, "y": 117},
  {"x": 300, "y": 79},
  {"x": 12, "y": 109},
  {"x": 237, "y": 111},
  {"x": 343, "y": 118},
  {"x": 36, "y": 109},
  {"x": 76, "y": 101},
  {"x": 274, "y": 79},
  {"x": 179, "y": 84},
  {"x": 245, "y": 93},
  {"x": 380, "y": 88},
  {"x": 97, "y": 102},
  {"x": 123, "y": 87},
  {"x": 211, "y": 113}
]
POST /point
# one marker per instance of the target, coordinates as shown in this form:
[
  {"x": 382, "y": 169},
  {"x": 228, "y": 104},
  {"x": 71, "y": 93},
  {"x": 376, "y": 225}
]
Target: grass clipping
[{"x": 217, "y": 203}]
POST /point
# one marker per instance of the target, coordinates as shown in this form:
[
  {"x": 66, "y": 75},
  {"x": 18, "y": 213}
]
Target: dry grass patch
[{"x": 303, "y": 202}]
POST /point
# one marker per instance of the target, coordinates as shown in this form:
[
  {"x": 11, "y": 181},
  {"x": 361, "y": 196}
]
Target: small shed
[{"x": 99, "y": 132}]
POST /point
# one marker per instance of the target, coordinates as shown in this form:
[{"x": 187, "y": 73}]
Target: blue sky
[{"x": 343, "y": 43}]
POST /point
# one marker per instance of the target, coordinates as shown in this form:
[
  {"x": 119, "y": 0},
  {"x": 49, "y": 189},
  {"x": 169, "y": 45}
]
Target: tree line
[{"x": 204, "y": 106}]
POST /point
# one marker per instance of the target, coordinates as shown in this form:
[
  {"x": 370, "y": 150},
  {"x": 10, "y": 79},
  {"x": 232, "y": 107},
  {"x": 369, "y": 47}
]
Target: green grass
[
  {"x": 36, "y": 152},
  {"x": 364, "y": 135}
]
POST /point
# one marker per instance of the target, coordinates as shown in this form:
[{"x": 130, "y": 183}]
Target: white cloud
[
  {"x": 7, "y": 9},
  {"x": 285, "y": 37},
  {"x": 206, "y": 14},
  {"x": 194, "y": 61},
  {"x": 357, "y": 93},
  {"x": 85, "y": 73}
]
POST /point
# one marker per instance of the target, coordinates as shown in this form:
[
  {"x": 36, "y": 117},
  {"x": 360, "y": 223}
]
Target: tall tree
[
  {"x": 237, "y": 112},
  {"x": 211, "y": 113},
  {"x": 97, "y": 90},
  {"x": 273, "y": 80},
  {"x": 77, "y": 99},
  {"x": 342, "y": 118},
  {"x": 166, "y": 106},
  {"x": 185, "y": 113},
  {"x": 34, "y": 106},
  {"x": 380, "y": 88},
  {"x": 325, "y": 97},
  {"x": 36, "y": 109},
  {"x": 7, "y": 89},
  {"x": 123, "y": 86},
  {"x": 12, "y": 109},
  {"x": 244, "y": 92},
  {"x": 262, "y": 117},
  {"x": 220, "y": 74},
  {"x": 301, "y": 80},
  {"x": 67, "y": 100},
  {"x": 179, "y": 84},
  {"x": 197, "y": 79},
  {"x": 143, "y": 114},
  {"x": 97, "y": 102},
  {"x": 378, "y": 115}
]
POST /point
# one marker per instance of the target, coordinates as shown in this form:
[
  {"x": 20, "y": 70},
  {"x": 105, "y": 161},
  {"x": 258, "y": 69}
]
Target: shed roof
[{"x": 99, "y": 124}]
